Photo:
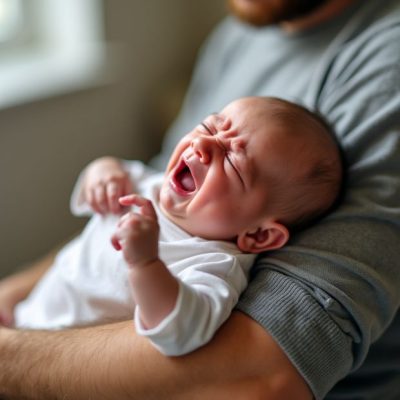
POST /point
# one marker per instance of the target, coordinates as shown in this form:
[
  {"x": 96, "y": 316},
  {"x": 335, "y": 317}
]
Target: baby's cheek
[{"x": 217, "y": 223}]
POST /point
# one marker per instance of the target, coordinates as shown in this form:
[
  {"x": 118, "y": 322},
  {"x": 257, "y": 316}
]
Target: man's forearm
[
  {"x": 70, "y": 364},
  {"x": 112, "y": 362}
]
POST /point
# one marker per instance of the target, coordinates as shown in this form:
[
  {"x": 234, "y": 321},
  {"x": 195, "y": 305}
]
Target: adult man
[{"x": 325, "y": 306}]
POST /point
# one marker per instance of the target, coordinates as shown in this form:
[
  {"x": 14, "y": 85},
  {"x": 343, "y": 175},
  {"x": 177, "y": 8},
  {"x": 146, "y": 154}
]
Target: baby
[{"x": 235, "y": 186}]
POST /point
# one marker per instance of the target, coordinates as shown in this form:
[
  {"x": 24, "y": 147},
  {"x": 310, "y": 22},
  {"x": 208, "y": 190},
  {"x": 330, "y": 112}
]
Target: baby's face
[{"x": 221, "y": 175}]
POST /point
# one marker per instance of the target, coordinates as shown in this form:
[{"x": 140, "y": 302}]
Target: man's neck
[{"x": 325, "y": 13}]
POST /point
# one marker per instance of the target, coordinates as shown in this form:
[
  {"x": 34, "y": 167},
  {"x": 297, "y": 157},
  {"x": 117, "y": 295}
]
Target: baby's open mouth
[{"x": 183, "y": 179}]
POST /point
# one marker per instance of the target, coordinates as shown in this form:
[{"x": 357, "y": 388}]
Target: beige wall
[{"x": 44, "y": 145}]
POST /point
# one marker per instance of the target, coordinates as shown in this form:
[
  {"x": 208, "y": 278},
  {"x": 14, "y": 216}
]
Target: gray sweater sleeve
[
  {"x": 335, "y": 289},
  {"x": 329, "y": 294}
]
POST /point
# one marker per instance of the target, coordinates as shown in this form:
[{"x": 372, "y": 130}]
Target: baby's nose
[{"x": 205, "y": 147}]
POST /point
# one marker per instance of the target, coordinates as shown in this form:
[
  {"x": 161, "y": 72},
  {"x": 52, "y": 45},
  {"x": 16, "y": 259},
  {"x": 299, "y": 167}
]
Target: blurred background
[{"x": 80, "y": 79}]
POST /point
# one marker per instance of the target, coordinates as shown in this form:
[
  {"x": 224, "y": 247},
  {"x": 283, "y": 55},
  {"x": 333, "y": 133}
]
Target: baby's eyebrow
[
  {"x": 203, "y": 124},
  {"x": 214, "y": 114}
]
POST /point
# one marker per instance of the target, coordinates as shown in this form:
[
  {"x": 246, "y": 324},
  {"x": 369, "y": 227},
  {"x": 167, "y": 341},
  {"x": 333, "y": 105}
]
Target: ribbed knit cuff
[{"x": 314, "y": 343}]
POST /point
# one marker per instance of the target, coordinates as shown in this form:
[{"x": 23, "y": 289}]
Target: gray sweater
[{"x": 329, "y": 298}]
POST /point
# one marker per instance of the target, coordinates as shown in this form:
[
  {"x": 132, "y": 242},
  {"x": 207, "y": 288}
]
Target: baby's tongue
[{"x": 187, "y": 181}]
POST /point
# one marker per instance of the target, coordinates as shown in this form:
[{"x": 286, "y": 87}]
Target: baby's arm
[
  {"x": 155, "y": 289},
  {"x": 105, "y": 180}
]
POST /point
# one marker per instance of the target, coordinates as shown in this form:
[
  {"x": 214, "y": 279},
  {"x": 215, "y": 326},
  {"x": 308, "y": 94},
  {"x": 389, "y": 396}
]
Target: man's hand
[{"x": 105, "y": 181}]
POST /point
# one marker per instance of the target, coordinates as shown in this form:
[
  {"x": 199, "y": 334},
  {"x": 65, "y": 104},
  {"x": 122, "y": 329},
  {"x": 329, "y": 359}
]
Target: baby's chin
[{"x": 173, "y": 210}]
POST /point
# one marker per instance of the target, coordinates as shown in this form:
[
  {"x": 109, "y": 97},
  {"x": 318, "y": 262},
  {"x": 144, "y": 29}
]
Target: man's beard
[{"x": 269, "y": 12}]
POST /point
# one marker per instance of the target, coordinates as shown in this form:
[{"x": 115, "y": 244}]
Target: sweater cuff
[{"x": 311, "y": 339}]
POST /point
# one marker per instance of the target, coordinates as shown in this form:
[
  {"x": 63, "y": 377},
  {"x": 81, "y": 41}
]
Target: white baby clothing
[{"x": 89, "y": 279}]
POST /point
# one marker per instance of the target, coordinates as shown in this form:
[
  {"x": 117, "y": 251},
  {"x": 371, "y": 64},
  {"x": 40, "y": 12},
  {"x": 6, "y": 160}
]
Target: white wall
[{"x": 44, "y": 144}]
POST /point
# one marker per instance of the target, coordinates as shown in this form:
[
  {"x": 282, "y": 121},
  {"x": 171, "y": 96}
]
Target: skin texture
[
  {"x": 244, "y": 162},
  {"x": 108, "y": 362},
  {"x": 225, "y": 369},
  {"x": 226, "y": 156}
]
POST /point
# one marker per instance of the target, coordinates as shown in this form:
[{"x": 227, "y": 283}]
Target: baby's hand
[
  {"x": 137, "y": 232},
  {"x": 104, "y": 183}
]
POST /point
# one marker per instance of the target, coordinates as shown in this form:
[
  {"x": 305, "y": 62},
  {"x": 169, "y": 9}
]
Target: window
[
  {"x": 10, "y": 19},
  {"x": 49, "y": 47}
]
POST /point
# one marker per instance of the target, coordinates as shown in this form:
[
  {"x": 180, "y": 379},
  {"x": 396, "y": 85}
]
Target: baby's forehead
[
  {"x": 258, "y": 113},
  {"x": 273, "y": 122},
  {"x": 286, "y": 152},
  {"x": 247, "y": 105}
]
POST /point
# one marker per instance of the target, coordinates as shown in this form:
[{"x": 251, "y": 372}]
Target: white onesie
[{"x": 88, "y": 282}]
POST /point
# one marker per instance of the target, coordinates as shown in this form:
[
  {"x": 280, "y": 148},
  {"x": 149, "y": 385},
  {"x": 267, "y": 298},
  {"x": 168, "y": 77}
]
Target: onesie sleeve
[
  {"x": 137, "y": 171},
  {"x": 208, "y": 291},
  {"x": 332, "y": 292}
]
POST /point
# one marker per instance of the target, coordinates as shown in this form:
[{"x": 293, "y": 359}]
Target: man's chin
[
  {"x": 253, "y": 12},
  {"x": 266, "y": 12}
]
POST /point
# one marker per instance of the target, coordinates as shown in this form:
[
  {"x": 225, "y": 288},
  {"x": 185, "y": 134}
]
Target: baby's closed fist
[{"x": 137, "y": 232}]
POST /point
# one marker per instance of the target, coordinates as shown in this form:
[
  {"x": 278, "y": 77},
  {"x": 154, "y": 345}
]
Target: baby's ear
[{"x": 272, "y": 235}]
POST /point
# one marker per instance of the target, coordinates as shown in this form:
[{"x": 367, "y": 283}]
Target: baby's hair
[{"x": 319, "y": 190}]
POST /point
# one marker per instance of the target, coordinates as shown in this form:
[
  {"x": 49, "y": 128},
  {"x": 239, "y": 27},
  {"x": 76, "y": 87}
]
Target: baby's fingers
[
  {"x": 128, "y": 187},
  {"x": 95, "y": 197},
  {"x": 146, "y": 206},
  {"x": 115, "y": 241},
  {"x": 128, "y": 227},
  {"x": 114, "y": 192}
]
